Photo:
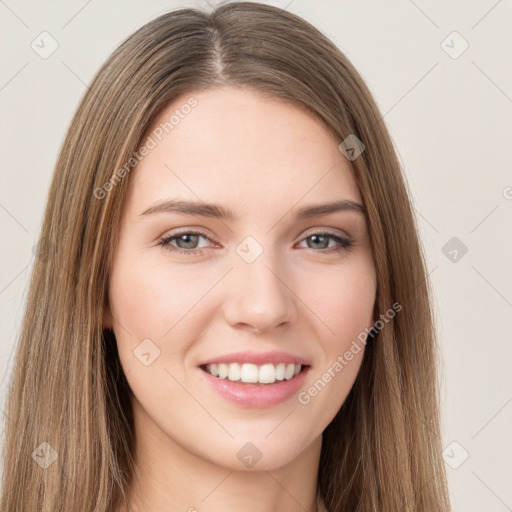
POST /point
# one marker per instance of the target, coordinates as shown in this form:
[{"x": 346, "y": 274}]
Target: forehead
[{"x": 238, "y": 148}]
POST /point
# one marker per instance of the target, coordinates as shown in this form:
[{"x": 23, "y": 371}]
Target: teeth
[
  {"x": 290, "y": 370},
  {"x": 267, "y": 374},
  {"x": 251, "y": 373},
  {"x": 280, "y": 368},
  {"x": 223, "y": 370},
  {"x": 234, "y": 371}
]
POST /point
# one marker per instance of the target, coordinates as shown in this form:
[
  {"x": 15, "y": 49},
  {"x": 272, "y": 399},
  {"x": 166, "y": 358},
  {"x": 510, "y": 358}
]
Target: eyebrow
[{"x": 216, "y": 211}]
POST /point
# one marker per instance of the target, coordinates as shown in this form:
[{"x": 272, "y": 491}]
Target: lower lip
[{"x": 257, "y": 395}]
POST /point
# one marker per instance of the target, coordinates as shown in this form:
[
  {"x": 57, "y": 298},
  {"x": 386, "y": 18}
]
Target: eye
[
  {"x": 321, "y": 241},
  {"x": 187, "y": 242}
]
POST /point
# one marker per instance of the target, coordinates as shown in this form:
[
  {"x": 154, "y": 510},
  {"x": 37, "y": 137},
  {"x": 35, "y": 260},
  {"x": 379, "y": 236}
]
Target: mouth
[{"x": 249, "y": 373}]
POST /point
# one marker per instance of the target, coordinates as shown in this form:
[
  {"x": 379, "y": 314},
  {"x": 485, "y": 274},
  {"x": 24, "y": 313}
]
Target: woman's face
[{"x": 262, "y": 286}]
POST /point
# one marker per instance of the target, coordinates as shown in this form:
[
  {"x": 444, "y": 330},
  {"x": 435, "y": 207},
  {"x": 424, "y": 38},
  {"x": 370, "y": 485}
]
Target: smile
[{"x": 254, "y": 374}]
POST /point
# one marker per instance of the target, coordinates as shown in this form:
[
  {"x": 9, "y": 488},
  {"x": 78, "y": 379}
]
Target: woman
[{"x": 232, "y": 310}]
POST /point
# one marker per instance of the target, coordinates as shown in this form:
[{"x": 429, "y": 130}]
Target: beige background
[{"x": 450, "y": 114}]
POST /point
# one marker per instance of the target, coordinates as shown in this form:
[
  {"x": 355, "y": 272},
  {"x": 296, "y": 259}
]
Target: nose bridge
[{"x": 259, "y": 294}]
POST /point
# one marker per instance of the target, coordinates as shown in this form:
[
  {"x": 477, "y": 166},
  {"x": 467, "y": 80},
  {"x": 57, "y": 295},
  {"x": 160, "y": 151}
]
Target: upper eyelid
[
  {"x": 331, "y": 231},
  {"x": 176, "y": 234}
]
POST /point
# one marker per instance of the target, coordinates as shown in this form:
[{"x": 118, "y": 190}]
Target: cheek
[
  {"x": 344, "y": 304},
  {"x": 343, "y": 301},
  {"x": 153, "y": 314},
  {"x": 169, "y": 306},
  {"x": 149, "y": 299}
]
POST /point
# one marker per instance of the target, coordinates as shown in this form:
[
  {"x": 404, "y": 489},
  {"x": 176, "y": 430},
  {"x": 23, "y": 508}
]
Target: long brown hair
[{"x": 69, "y": 428}]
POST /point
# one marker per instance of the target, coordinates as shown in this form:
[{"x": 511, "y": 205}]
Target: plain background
[{"x": 449, "y": 111}]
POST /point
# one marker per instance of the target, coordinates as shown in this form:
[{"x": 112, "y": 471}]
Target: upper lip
[{"x": 258, "y": 358}]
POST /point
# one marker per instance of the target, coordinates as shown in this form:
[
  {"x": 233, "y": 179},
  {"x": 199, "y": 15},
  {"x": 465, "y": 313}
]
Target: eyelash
[{"x": 344, "y": 243}]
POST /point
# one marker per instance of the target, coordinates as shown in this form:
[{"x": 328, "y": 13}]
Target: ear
[{"x": 108, "y": 320}]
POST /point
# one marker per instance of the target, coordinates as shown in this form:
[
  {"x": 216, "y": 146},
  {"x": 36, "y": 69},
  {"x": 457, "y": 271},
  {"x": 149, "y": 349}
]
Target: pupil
[
  {"x": 182, "y": 239},
  {"x": 316, "y": 237}
]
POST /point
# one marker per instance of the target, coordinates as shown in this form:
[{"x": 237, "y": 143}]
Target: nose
[{"x": 260, "y": 295}]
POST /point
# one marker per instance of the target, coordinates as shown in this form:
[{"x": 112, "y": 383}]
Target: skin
[{"x": 264, "y": 159}]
